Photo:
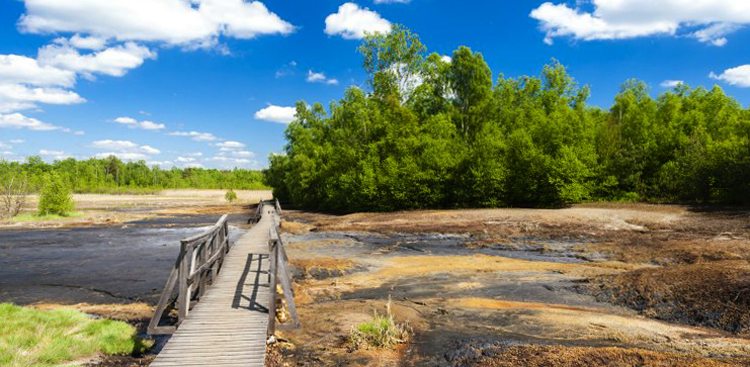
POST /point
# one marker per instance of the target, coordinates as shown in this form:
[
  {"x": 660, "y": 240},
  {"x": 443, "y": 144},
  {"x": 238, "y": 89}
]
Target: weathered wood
[
  {"x": 228, "y": 325},
  {"x": 199, "y": 255}
]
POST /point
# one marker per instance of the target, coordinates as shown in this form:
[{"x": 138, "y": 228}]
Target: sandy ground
[
  {"x": 488, "y": 287},
  {"x": 100, "y": 209}
]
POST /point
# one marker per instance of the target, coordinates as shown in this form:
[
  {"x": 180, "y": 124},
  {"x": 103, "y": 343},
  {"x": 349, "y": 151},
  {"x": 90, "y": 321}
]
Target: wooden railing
[
  {"x": 280, "y": 272},
  {"x": 197, "y": 265}
]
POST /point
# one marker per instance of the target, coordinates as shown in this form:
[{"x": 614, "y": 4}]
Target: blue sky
[{"x": 210, "y": 82}]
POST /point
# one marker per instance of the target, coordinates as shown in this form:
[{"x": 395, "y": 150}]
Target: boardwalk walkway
[{"x": 228, "y": 326}]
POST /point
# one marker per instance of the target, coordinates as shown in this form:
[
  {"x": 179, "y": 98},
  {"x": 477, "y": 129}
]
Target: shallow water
[{"x": 109, "y": 264}]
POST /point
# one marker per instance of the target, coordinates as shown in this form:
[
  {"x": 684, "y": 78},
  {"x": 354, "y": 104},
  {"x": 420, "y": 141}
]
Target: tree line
[
  {"x": 437, "y": 132},
  {"x": 113, "y": 175}
]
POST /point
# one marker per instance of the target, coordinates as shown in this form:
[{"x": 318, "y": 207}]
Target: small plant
[
  {"x": 231, "y": 196},
  {"x": 382, "y": 332},
  {"x": 56, "y": 197},
  {"x": 13, "y": 194}
]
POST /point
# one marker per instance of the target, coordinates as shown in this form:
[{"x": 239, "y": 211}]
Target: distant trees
[
  {"x": 113, "y": 175},
  {"x": 435, "y": 132}
]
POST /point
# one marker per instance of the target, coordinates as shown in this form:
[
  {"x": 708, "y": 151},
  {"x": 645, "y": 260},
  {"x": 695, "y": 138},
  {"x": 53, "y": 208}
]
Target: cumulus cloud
[
  {"x": 231, "y": 145},
  {"x": 278, "y": 114},
  {"x": 18, "y": 121},
  {"x": 135, "y": 124},
  {"x": 185, "y": 159},
  {"x": 24, "y": 83},
  {"x": 113, "y": 61},
  {"x": 124, "y": 149},
  {"x": 16, "y": 97},
  {"x": 87, "y": 43},
  {"x": 195, "y": 135},
  {"x": 707, "y": 21},
  {"x": 352, "y": 22},
  {"x": 174, "y": 22},
  {"x": 55, "y": 154},
  {"x": 671, "y": 83},
  {"x": 313, "y": 77},
  {"x": 739, "y": 76},
  {"x": 15, "y": 69}
]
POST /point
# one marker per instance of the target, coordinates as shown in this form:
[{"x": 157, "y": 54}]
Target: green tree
[{"x": 55, "y": 197}]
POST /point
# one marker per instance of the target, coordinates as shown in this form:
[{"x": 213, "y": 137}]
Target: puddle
[{"x": 108, "y": 264}]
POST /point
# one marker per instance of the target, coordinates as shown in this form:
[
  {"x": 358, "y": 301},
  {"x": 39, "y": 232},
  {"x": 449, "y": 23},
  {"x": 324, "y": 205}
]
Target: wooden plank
[{"x": 228, "y": 326}]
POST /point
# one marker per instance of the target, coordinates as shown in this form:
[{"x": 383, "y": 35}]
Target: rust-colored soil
[
  {"x": 558, "y": 356},
  {"x": 714, "y": 294}
]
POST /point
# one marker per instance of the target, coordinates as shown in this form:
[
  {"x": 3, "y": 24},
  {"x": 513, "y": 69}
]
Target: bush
[
  {"x": 231, "y": 196},
  {"x": 382, "y": 332},
  {"x": 55, "y": 197}
]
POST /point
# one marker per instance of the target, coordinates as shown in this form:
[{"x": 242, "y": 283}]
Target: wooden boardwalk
[{"x": 228, "y": 327}]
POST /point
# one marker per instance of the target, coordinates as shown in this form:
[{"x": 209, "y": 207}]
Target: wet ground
[
  {"x": 479, "y": 294},
  {"x": 124, "y": 263}
]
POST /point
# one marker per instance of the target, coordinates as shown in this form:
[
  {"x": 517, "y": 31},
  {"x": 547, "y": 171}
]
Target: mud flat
[
  {"x": 119, "y": 249},
  {"x": 568, "y": 287}
]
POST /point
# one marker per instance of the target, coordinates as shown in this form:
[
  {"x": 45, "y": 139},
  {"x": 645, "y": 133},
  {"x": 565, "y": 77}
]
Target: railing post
[
  {"x": 183, "y": 274},
  {"x": 272, "y": 266}
]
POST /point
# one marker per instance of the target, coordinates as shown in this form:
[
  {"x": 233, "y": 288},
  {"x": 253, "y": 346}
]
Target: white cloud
[
  {"x": 671, "y": 83},
  {"x": 230, "y": 144},
  {"x": 446, "y": 59},
  {"x": 15, "y": 97},
  {"x": 24, "y": 82},
  {"x": 243, "y": 153},
  {"x": 709, "y": 21},
  {"x": 87, "y": 43},
  {"x": 313, "y": 77},
  {"x": 17, "y": 141},
  {"x": 114, "y": 144},
  {"x": 55, "y": 154},
  {"x": 176, "y": 22},
  {"x": 739, "y": 76},
  {"x": 392, "y": 1},
  {"x": 278, "y": 114},
  {"x": 135, "y": 124},
  {"x": 16, "y": 69},
  {"x": 150, "y": 150},
  {"x": 185, "y": 159},
  {"x": 18, "y": 121},
  {"x": 352, "y": 22},
  {"x": 124, "y": 149},
  {"x": 197, "y": 136},
  {"x": 130, "y": 156},
  {"x": 196, "y": 154},
  {"x": 113, "y": 61}
]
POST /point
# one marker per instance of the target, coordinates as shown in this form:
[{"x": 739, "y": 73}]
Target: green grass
[
  {"x": 33, "y": 217},
  {"x": 381, "y": 332},
  {"x": 31, "y": 337}
]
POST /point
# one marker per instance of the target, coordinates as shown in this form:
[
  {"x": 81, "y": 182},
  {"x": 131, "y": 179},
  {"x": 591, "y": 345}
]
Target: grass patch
[
  {"x": 32, "y": 337},
  {"x": 381, "y": 332},
  {"x": 33, "y": 217}
]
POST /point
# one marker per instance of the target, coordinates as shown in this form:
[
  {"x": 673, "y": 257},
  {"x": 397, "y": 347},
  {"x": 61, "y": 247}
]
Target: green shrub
[
  {"x": 55, "y": 197},
  {"x": 231, "y": 196},
  {"x": 382, "y": 332}
]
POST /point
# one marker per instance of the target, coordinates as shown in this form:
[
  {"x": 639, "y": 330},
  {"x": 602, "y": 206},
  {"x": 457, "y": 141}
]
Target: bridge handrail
[
  {"x": 200, "y": 260},
  {"x": 280, "y": 272}
]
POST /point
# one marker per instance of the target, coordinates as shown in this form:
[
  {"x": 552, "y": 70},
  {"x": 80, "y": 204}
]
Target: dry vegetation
[{"x": 547, "y": 356}]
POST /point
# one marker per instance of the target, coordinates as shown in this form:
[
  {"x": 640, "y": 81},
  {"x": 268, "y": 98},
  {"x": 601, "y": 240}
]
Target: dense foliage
[
  {"x": 55, "y": 197},
  {"x": 113, "y": 175},
  {"x": 434, "y": 132}
]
